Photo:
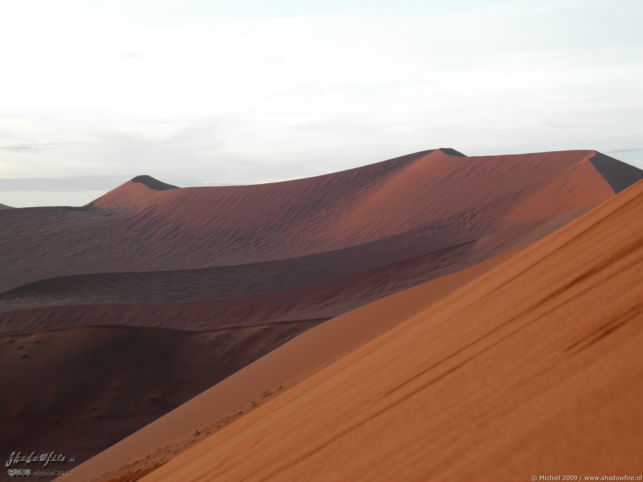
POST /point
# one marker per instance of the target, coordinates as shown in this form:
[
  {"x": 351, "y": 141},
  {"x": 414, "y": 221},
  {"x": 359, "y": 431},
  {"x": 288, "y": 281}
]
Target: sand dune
[
  {"x": 618, "y": 174},
  {"x": 48, "y": 401},
  {"x": 317, "y": 286},
  {"x": 135, "y": 228},
  {"x": 3, "y": 206},
  {"x": 240, "y": 281},
  {"x": 263, "y": 263},
  {"x": 533, "y": 368},
  {"x": 282, "y": 367}
]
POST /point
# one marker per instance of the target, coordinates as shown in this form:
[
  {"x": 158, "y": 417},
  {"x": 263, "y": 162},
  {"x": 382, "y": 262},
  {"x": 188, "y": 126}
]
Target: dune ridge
[
  {"x": 263, "y": 263},
  {"x": 135, "y": 228}
]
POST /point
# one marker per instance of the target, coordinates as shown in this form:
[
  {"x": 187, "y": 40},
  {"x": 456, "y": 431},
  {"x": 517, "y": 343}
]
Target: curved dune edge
[
  {"x": 535, "y": 367},
  {"x": 282, "y": 367}
]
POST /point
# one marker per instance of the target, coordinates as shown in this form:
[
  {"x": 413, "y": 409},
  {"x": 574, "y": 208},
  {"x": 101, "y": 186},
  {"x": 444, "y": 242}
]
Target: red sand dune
[
  {"x": 226, "y": 282},
  {"x": 425, "y": 204},
  {"x": 136, "y": 228},
  {"x": 260, "y": 263},
  {"x": 278, "y": 301},
  {"x": 533, "y": 368}
]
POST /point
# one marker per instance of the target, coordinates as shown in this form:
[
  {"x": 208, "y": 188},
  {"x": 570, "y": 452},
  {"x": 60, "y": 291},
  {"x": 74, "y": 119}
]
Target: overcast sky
[{"x": 201, "y": 92}]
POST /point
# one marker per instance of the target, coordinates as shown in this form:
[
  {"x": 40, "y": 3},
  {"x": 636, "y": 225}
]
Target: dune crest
[
  {"x": 134, "y": 228},
  {"x": 152, "y": 183}
]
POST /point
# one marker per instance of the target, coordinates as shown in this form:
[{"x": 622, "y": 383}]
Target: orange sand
[
  {"x": 246, "y": 268},
  {"x": 533, "y": 368},
  {"x": 283, "y": 367}
]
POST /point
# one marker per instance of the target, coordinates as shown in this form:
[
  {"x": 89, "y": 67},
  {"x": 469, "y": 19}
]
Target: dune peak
[
  {"x": 450, "y": 151},
  {"x": 618, "y": 174},
  {"x": 153, "y": 183}
]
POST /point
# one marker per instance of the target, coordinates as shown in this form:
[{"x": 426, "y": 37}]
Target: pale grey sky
[{"x": 209, "y": 92}]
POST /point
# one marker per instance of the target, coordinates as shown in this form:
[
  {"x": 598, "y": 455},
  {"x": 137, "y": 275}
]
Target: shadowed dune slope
[
  {"x": 316, "y": 286},
  {"x": 618, "y": 174},
  {"x": 451, "y": 151},
  {"x": 533, "y": 368},
  {"x": 226, "y": 282},
  {"x": 152, "y": 183},
  {"x": 3, "y": 206},
  {"x": 76, "y": 390},
  {"x": 137, "y": 228}
]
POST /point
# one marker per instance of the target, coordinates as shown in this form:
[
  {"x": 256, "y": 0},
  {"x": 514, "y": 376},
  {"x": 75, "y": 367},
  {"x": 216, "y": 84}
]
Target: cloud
[
  {"x": 230, "y": 94},
  {"x": 625, "y": 150},
  {"x": 36, "y": 146},
  {"x": 132, "y": 55},
  {"x": 66, "y": 184},
  {"x": 20, "y": 148}
]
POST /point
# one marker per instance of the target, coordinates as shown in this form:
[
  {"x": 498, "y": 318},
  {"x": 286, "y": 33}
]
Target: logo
[{"x": 19, "y": 472}]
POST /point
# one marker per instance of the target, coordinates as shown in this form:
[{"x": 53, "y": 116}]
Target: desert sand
[
  {"x": 91, "y": 386},
  {"x": 282, "y": 367},
  {"x": 193, "y": 284},
  {"x": 535, "y": 367},
  {"x": 135, "y": 228}
]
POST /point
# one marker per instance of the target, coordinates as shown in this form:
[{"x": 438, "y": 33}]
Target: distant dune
[
  {"x": 3, "y": 206},
  {"x": 321, "y": 285},
  {"x": 533, "y": 368},
  {"x": 250, "y": 267},
  {"x": 134, "y": 228}
]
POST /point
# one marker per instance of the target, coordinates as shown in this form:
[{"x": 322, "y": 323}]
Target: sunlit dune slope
[{"x": 533, "y": 368}]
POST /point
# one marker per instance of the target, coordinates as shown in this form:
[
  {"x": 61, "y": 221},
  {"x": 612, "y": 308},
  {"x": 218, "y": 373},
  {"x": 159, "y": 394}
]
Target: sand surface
[
  {"x": 77, "y": 388},
  {"x": 135, "y": 228},
  {"x": 248, "y": 268},
  {"x": 282, "y": 367},
  {"x": 535, "y": 367}
]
